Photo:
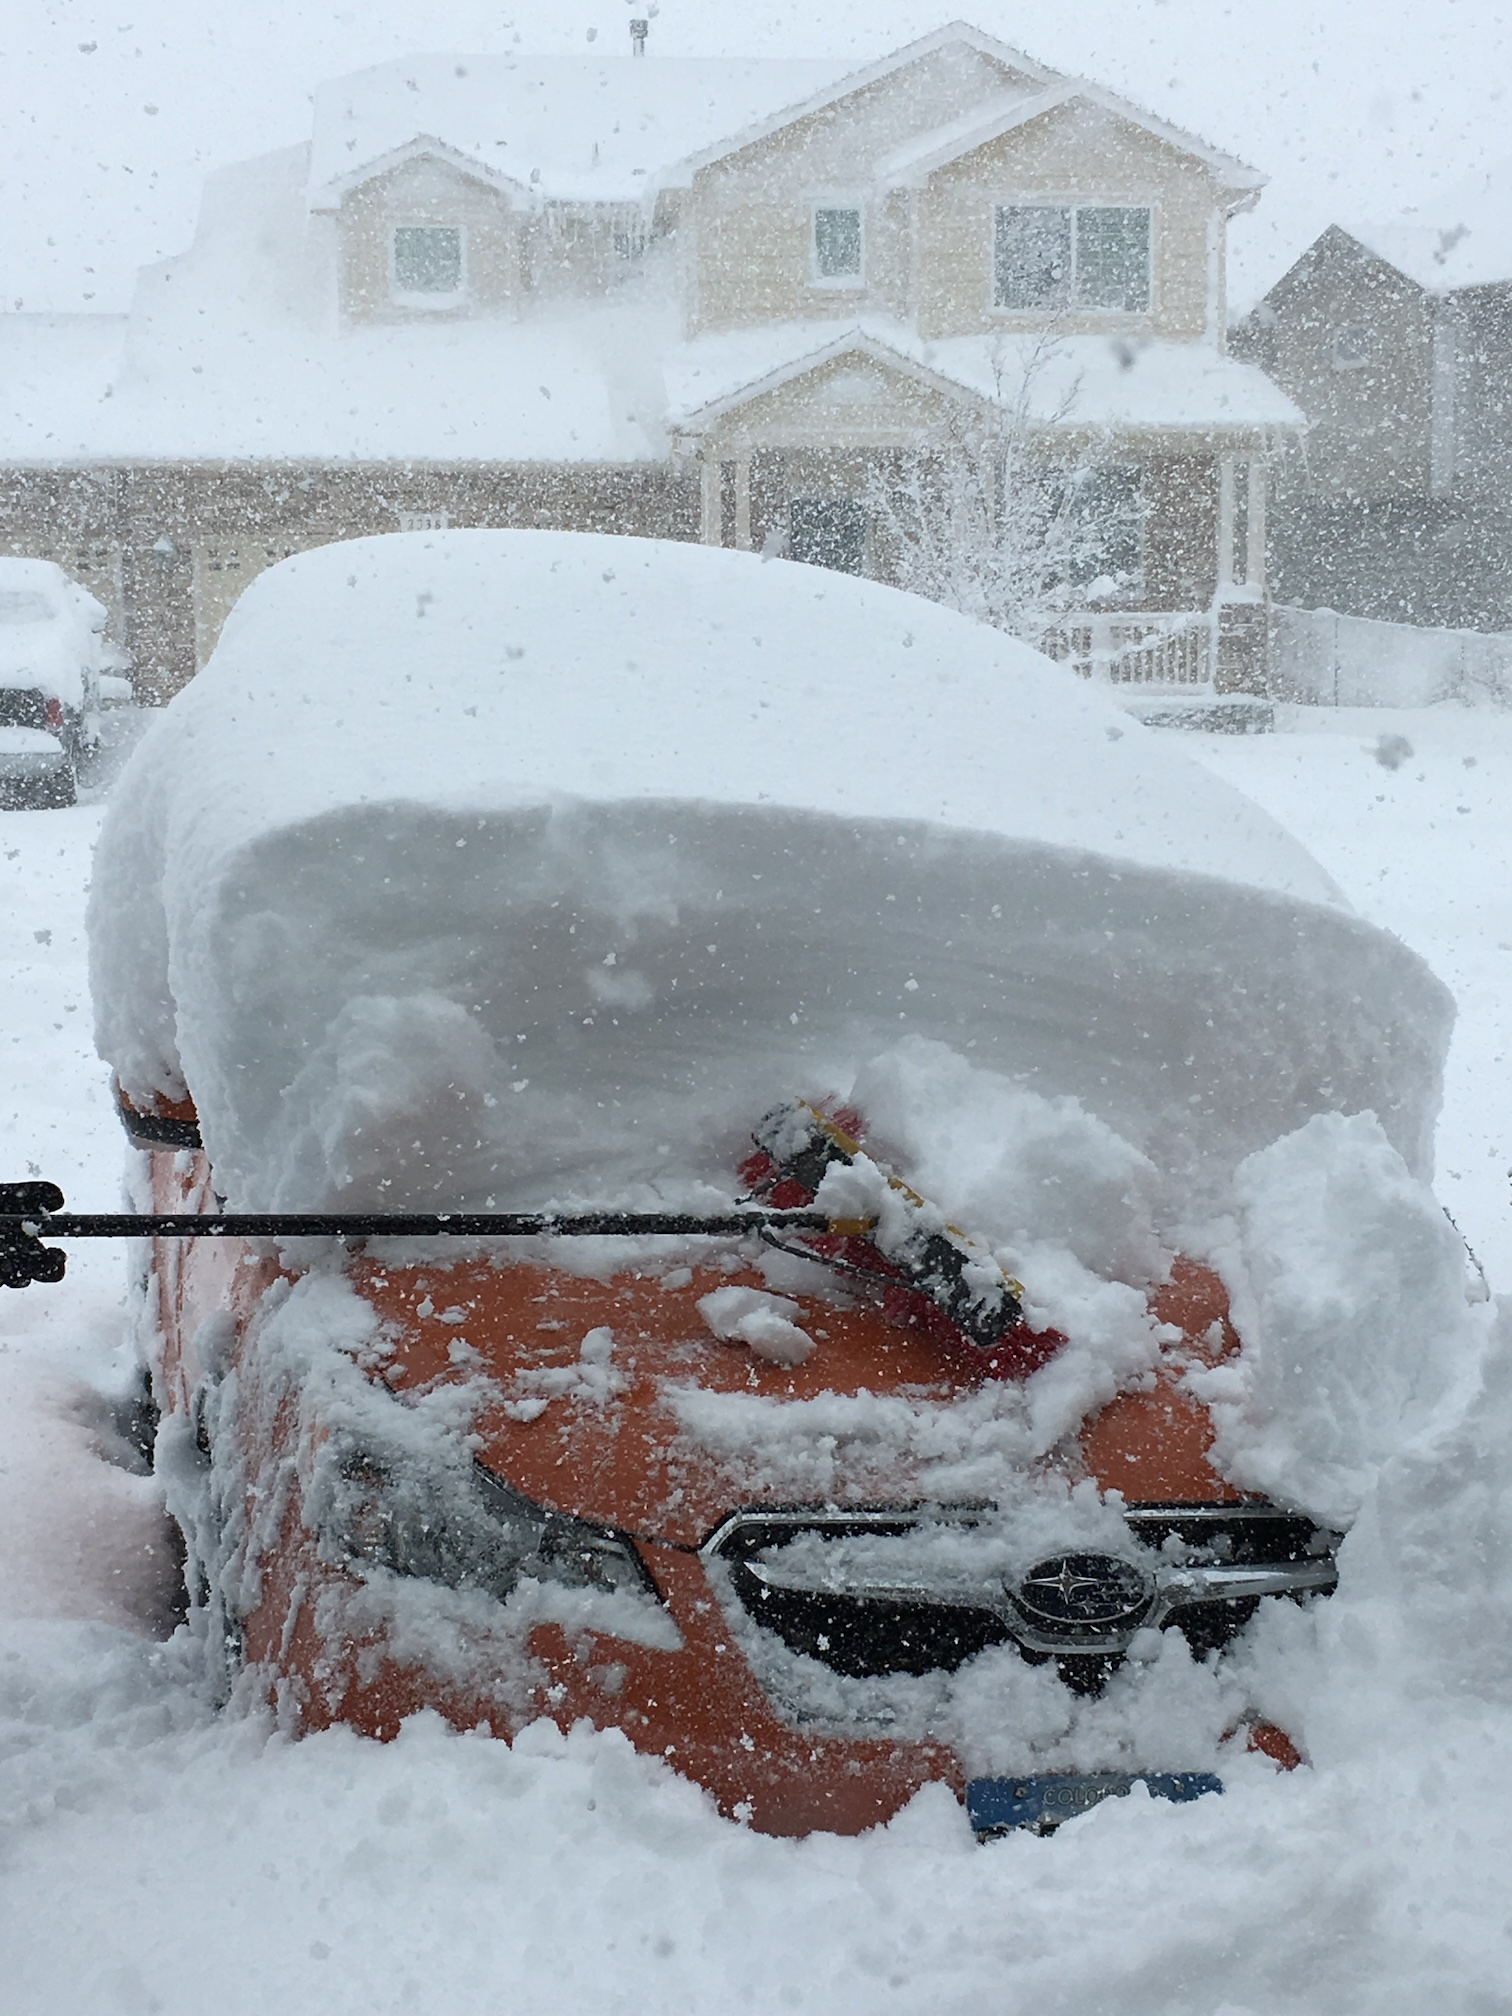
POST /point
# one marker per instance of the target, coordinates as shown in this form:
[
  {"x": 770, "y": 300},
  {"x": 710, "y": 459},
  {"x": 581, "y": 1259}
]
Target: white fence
[
  {"x": 1328, "y": 660},
  {"x": 1172, "y": 652}
]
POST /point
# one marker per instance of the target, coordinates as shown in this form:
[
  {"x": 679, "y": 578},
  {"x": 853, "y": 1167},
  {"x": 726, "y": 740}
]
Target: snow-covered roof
[
  {"x": 47, "y": 630},
  {"x": 234, "y": 351},
  {"x": 1075, "y": 381},
  {"x": 913, "y": 164},
  {"x": 1463, "y": 239},
  {"x": 1030, "y": 77},
  {"x": 615, "y": 129},
  {"x": 614, "y": 843},
  {"x": 577, "y": 128},
  {"x": 56, "y": 378}
]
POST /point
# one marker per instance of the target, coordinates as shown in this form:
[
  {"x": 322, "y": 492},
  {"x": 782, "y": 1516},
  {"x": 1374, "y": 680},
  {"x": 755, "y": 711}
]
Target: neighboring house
[
  {"x": 1396, "y": 341},
  {"x": 694, "y": 299}
]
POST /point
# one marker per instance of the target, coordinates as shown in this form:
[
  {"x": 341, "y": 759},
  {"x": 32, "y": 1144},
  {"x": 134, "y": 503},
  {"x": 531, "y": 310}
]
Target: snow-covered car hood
[{"x": 533, "y": 865}]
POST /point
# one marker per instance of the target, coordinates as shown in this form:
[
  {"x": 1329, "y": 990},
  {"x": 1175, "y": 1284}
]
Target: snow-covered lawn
[{"x": 154, "y": 1858}]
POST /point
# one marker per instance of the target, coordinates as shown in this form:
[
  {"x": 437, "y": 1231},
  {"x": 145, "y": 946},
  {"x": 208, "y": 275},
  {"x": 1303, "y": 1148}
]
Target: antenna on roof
[{"x": 639, "y": 30}]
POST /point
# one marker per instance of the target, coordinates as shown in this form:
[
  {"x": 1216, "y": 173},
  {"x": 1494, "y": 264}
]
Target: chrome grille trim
[{"x": 1296, "y": 1559}]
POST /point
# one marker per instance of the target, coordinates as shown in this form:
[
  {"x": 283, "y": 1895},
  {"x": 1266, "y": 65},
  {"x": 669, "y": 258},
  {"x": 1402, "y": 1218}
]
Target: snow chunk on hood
[
  {"x": 532, "y": 867},
  {"x": 1349, "y": 1292}
]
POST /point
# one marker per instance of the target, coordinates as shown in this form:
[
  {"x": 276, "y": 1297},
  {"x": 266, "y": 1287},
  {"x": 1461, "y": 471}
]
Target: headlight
[{"x": 478, "y": 1535}]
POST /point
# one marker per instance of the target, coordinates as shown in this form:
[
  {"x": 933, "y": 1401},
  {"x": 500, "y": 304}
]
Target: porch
[{"x": 1189, "y": 616}]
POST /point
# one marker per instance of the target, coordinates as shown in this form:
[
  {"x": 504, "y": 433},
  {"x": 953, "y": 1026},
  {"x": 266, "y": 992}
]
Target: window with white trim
[
  {"x": 1061, "y": 255},
  {"x": 427, "y": 259},
  {"x": 837, "y": 244}
]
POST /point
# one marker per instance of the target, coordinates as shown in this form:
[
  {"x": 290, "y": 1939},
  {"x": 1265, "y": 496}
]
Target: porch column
[
  {"x": 1254, "y": 558},
  {"x": 743, "y": 496},
  {"x": 1225, "y": 522},
  {"x": 711, "y": 524}
]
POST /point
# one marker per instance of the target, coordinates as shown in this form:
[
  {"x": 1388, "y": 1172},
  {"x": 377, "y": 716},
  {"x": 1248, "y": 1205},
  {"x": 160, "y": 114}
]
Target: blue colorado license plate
[{"x": 998, "y": 1805}]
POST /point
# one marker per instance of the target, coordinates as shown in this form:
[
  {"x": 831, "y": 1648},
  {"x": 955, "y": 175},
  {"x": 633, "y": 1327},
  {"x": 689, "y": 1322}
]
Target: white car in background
[{"x": 56, "y": 669}]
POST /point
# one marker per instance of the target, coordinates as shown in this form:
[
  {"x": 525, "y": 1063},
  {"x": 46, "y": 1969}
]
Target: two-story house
[
  {"x": 694, "y": 299},
  {"x": 1396, "y": 341}
]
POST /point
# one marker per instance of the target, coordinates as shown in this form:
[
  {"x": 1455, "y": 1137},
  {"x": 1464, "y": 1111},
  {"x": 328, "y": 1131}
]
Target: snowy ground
[{"x": 153, "y": 1858}]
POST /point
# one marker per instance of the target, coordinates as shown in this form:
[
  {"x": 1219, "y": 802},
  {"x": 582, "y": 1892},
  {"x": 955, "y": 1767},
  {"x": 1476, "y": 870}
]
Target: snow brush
[
  {"x": 932, "y": 1275},
  {"x": 32, "y": 1212}
]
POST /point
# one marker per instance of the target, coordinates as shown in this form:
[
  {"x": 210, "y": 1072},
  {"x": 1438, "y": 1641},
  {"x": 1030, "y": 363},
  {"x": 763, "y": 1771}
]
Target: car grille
[{"x": 1203, "y": 1568}]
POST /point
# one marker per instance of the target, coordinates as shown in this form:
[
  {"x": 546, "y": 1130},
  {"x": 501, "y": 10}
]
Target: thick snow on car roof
[
  {"x": 535, "y": 866},
  {"x": 43, "y": 636}
]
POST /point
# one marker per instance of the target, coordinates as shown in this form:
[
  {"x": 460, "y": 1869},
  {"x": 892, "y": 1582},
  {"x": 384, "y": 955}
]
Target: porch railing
[{"x": 1130, "y": 648}]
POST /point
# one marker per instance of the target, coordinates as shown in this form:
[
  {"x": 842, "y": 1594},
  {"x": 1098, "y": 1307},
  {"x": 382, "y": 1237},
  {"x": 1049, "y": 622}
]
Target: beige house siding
[
  {"x": 930, "y": 251},
  {"x": 428, "y": 190},
  {"x": 850, "y": 399},
  {"x": 222, "y": 568},
  {"x": 751, "y": 212},
  {"x": 754, "y": 256},
  {"x": 183, "y": 541},
  {"x": 1077, "y": 153}
]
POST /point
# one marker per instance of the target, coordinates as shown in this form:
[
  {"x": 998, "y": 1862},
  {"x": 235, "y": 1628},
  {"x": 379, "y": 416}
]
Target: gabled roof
[
  {"x": 923, "y": 157},
  {"x": 616, "y": 129},
  {"x": 955, "y": 34},
  {"x": 914, "y": 163},
  {"x": 1463, "y": 239},
  {"x": 713, "y": 376},
  {"x": 1074, "y": 382},
  {"x": 423, "y": 147},
  {"x": 577, "y": 128}
]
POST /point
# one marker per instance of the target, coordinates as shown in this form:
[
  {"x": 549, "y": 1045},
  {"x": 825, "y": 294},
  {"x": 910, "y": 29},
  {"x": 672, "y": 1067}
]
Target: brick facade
[{"x": 169, "y": 548}]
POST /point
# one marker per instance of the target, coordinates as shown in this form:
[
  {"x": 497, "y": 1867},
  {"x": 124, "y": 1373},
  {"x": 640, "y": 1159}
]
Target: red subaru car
[{"x": 658, "y": 1141}]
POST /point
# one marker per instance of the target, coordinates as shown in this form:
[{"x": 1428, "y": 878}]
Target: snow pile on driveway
[{"x": 532, "y": 868}]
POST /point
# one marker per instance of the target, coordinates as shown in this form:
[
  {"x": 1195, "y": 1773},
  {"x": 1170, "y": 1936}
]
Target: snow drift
[{"x": 526, "y": 867}]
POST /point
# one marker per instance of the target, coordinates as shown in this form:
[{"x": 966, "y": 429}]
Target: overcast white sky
[{"x": 111, "y": 113}]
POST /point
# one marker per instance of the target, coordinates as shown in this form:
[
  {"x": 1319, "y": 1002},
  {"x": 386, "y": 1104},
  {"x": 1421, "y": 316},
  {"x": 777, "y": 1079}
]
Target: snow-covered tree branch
[{"x": 990, "y": 518}]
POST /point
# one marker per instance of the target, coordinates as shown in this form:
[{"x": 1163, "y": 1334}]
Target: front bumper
[{"x": 711, "y": 1708}]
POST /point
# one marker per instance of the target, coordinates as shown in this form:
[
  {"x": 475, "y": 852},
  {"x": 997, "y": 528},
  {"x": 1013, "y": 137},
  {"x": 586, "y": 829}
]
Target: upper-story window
[
  {"x": 1352, "y": 346},
  {"x": 1047, "y": 256},
  {"x": 838, "y": 245},
  {"x": 427, "y": 260}
]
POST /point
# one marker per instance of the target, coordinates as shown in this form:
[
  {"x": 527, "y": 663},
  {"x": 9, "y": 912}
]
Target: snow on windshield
[{"x": 519, "y": 868}]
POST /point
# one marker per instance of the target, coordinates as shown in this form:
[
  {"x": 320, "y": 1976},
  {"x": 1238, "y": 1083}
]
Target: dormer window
[
  {"x": 1048, "y": 256},
  {"x": 427, "y": 261},
  {"x": 837, "y": 245}
]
